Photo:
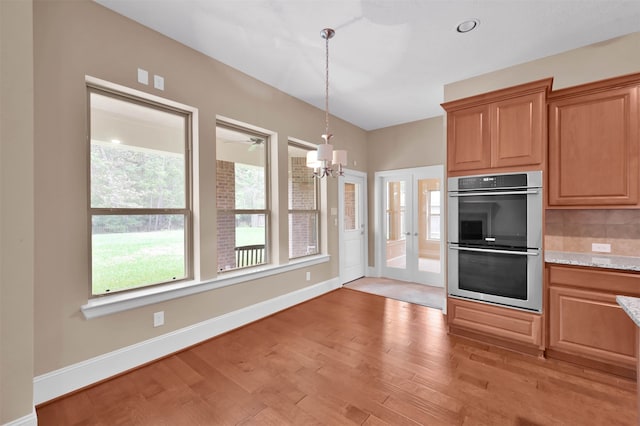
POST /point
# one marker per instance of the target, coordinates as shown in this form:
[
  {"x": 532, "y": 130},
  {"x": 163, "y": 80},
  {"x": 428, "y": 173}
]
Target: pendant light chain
[
  {"x": 326, "y": 92},
  {"x": 326, "y": 161}
]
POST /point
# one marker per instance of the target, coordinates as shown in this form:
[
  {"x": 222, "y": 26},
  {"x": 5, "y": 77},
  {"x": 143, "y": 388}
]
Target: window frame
[
  {"x": 317, "y": 210},
  {"x": 267, "y": 259},
  {"x": 135, "y": 97}
]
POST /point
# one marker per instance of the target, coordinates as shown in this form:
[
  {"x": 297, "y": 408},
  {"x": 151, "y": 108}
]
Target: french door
[{"x": 410, "y": 224}]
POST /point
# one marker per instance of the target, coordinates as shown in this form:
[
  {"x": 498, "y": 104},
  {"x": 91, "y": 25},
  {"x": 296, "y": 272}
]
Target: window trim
[
  {"x": 105, "y": 88},
  {"x": 123, "y": 301},
  {"x": 309, "y": 147}
]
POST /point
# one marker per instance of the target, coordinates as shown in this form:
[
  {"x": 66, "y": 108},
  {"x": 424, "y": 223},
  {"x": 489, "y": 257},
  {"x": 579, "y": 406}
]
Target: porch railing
[{"x": 249, "y": 255}]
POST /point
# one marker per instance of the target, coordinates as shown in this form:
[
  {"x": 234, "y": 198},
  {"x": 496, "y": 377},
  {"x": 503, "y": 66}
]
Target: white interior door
[
  {"x": 409, "y": 241},
  {"x": 353, "y": 235}
]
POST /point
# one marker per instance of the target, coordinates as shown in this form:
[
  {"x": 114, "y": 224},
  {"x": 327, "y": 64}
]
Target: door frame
[
  {"x": 379, "y": 209},
  {"x": 365, "y": 221}
]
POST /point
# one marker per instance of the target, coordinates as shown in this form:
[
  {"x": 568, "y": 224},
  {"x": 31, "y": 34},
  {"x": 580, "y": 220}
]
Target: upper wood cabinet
[
  {"x": 593, "y": 144},
  {"x": 501, "y": 129}
]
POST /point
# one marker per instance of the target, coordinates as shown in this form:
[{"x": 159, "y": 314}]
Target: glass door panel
[
  {"x": 353, "y": 251},
  {"x": 351, "y": 216},
  {"x": 429, "y": 225},
  {"x": 396, "y": 222}
]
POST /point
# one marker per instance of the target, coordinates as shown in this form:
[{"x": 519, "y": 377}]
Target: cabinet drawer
[
  {"x": 591, "y": 324},
  {"x": 503, "y": 323},
  {"x": 623, "y": 283}
]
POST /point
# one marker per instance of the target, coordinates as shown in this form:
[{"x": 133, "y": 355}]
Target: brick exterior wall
[
  {"x": 226, "y": 199},
  {"x": 303, "y": 238}
]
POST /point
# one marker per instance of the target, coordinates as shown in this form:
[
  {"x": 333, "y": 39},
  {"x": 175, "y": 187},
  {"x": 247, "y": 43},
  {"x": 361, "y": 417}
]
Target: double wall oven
[{"x": 495, "y": 239}]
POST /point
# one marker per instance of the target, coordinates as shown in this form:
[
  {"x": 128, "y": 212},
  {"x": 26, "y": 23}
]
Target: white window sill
[{"x": 106, "y": 305}]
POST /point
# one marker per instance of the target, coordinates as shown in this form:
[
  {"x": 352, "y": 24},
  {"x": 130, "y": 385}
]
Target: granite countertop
[
  {"x": 594, "y": 260},
  {"x": 631, "y": 305}
]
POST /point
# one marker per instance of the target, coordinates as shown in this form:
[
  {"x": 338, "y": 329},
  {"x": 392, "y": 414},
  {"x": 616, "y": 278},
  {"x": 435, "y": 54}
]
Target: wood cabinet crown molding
[
  {"x": 595, "y": 87},
  {"x": 500, "y": 95}
]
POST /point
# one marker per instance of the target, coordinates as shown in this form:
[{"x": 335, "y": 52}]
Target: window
[
  {"x": 434, "y": 215},
  {"x": 241, "y": 197},
  {"x": 304, "y": 213},
  {"x": 139, "y": 192}
]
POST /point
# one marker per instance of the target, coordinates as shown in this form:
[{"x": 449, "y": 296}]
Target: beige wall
[
  {"x": 611, "y": 58},
  {"x": 16, "y": 210},
  {"x": 78, "y": 38},
  {"x": 416, "y": 144}
]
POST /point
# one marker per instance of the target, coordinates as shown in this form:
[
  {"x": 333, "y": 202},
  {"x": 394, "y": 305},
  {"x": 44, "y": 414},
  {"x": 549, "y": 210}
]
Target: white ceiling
[{"x": 389, "y": 59}]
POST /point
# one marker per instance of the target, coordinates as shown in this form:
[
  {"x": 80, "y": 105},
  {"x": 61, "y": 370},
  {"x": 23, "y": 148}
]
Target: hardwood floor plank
[{"x": 350, "y": 358}]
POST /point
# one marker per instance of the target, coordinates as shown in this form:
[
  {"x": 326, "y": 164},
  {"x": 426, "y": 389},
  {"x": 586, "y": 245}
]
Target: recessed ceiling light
[
  {"x": 115, "y": 141},
  {"x": 468, "y": 25}
]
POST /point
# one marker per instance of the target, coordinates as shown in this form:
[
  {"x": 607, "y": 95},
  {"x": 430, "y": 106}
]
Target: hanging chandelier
[{"x": 325, "y": 161}]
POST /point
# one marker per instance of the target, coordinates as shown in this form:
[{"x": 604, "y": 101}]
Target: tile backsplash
[{"x": 576, "y": 230}]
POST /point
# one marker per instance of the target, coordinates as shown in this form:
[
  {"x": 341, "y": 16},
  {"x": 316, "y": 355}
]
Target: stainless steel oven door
[
  {"x": 503, "y": 202},
  {"x": 506, "y": 277}
]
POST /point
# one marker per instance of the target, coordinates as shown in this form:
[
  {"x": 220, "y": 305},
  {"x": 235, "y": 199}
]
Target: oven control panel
[{"x": 491, "y": 182}]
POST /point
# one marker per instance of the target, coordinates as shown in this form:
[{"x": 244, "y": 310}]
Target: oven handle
[
  {"x": 518, "y": 253},
  {"x": 470, "y": 194}
]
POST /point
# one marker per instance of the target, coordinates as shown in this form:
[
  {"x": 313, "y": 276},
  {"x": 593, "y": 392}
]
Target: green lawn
[
  {"x": 246, "y": 236},
  {"x": 128, "y": 260}
]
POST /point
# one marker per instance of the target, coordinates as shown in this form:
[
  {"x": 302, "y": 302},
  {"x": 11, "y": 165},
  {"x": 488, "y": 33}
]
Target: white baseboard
[
  {"x": 28, "y": 420},
  {"x": 73, "y": 377},
  {"x": 372, "y": 272}
]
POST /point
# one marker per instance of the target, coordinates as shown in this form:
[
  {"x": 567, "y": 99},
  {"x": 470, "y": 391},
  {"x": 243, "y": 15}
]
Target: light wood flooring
[{"x": 349, "y": 357}]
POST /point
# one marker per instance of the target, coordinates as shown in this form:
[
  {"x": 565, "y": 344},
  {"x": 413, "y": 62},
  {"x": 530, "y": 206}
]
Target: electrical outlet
[
  {"x": 601, "y": 248},
  {"x": 158, "y": 319},
  {"x": 308, "y": 276}
]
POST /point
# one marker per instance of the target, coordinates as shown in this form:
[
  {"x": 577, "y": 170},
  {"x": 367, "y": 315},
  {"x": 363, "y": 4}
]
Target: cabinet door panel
[
  {"x": 468, "y": 136},
  {"x": 503, "y": 323},
  {"x": 517, "y": 132},
  {"x": 593, "y": 149},
  {"x": 591, "y": 324}
]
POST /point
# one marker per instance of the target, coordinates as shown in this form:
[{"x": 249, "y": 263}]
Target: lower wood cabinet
[
  {"x": 507, "y": 327},
  {"x": 586, "y": 325}
]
